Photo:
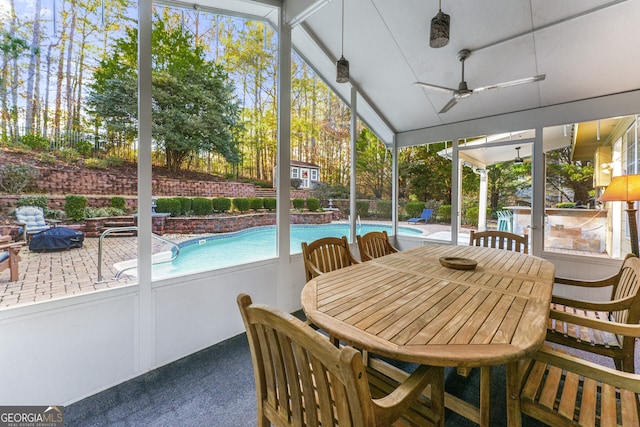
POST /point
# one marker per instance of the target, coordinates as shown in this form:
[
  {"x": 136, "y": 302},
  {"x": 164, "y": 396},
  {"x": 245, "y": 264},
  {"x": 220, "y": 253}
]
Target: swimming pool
[{"x": 250, "y": 245}]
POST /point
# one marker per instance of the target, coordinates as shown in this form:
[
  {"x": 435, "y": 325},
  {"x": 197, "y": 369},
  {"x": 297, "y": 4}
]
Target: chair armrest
[
  {"x": 623, "y": 380},
  {"x": 393, "y": 405},
  {"x": 609, "y": 281},
  {"x": 615, "y": 305},
  {"x": 11, "y": 245},
  {"x": 629, "y": 330},
  {"x": 313, "y": 267}
]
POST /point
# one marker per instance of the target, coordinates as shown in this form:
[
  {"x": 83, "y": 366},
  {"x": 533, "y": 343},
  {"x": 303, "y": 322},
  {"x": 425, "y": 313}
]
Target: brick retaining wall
[{"x": 203, "y": 225}]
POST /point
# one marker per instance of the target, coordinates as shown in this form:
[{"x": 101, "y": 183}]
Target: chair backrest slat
[
  {"x": 500, "y": 240},
  {"x": 301, "y": 378},
  {"x": 374, "y": 245},
  {"x": 326, "y": 254}
]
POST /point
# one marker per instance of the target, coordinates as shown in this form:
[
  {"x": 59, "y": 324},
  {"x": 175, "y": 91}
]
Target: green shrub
[
  {"x": 93, "y": 163},
  {"x": 221, "y": 204},
  {"x": 102, "y": 212},
  {"x": 168, "y": 205},
  {"x": 16, "y": 179},
  {"x": 269, "y": 203},
  {"x": 185, "y": 205},
  {"x": 444, "y": 213},
  {"x": 566, "y": 205},
  {"x": 84, "y": 147},
  {"x": 35, "y": 142},
  {"x": 298, "y": 204},
  {"x": 68, "y": 154},
  {"x": 241, "y": 204},
  {"x": 201, "y": 206},
  {"x": 414, "y": 209},
  {"x": 471, "y": 215},
  {"x": 313, "y": 204},
  {"x": 113, "y": 161},
  {"x": 296, "y": 183},
  {"x": 229, "y": 176},
  {"x": 74, "y": 207},
  {"x": 255, "y": 203},
  {"x": 362, "y": 208},
  {"x": 38, "y": 201},
  {"x": 384, "y": 208},
  {"x": 47, "y": 158},
  {"x": 118, "y": 202}
]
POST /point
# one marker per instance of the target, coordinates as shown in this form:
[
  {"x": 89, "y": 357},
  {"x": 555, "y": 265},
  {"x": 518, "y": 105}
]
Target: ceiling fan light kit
[
  {"x": 440, "y": 25},
  {"x": 463, "y": 90}
]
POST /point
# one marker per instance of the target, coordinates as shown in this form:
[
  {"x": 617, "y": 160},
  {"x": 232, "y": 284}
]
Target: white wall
[{"x": 58, "y": 352}]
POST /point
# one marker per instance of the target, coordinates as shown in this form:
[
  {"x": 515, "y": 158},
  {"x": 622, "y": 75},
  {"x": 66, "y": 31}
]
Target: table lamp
[{"x": 625, "y": 188}]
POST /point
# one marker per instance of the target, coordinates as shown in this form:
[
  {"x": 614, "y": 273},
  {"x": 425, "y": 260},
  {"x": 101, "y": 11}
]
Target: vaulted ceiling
[{"x": 586, "y": 48}]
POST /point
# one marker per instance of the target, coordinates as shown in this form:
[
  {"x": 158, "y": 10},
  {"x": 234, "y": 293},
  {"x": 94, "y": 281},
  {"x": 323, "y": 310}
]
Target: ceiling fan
[{"x": 463, "y": 90}]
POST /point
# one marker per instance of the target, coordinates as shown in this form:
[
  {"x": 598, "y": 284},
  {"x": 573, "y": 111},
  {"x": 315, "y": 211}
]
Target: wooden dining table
[{"x": 409, "y": 307}]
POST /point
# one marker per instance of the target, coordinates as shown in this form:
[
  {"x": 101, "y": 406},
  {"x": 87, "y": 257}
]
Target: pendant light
[
  {"x": 518, "y": 160},
  {"x": 439, "y": 28},
  {"x": 342, "y": 66}
]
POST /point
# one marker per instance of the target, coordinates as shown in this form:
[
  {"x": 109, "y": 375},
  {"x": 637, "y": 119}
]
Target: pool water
[{"x": 250, "y": 245}]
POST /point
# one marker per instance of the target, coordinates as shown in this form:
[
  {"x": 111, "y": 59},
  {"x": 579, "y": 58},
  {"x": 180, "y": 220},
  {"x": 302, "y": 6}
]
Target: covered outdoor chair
[
  {"x": 500, "y": 240},
  {"x": 9, "y": 256},
  {"x": 593, "y": 325},
  {"x": 426, "y": 215},
  {"x": 304, "y": 380},
  {"x": 326, "y": 254},
  {"x": 374, "y": 245},
  {"x": 564, "y": 390},
  {"x": 32, "y": 221}
]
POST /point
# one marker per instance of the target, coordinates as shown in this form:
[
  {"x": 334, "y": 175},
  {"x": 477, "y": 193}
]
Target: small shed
[{"x": 307, "y": 173}]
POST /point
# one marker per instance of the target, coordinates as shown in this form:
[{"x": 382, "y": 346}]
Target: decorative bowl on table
[{"x": 458, "y": 263}]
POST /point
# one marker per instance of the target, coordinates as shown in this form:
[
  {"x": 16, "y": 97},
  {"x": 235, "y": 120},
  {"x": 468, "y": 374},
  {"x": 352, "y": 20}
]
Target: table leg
[
  {"x": 485, "y": 396},
  {"x": 437, "y": 396},
  {"x": 514, "y": 417}
]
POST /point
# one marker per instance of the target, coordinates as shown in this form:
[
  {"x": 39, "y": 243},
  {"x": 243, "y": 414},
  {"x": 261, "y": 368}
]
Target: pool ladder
[{"x": 125, "y": 229}]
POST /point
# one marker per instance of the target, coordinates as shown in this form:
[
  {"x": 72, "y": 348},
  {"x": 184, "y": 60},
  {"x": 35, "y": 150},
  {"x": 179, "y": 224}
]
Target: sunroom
[{"x": 64, "y": 350}]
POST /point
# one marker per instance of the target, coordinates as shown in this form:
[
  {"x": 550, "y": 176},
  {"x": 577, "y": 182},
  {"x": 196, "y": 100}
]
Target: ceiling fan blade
[
  {"x": 449, "y": 105},
  {"x": 511, "y": 83},
  {"x": 440, "y": 88}
]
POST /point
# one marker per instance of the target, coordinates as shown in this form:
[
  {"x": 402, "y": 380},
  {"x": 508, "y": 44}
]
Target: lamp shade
[
  {"x": 342, "y": 70},
  {"x": 625, "y": 188}
]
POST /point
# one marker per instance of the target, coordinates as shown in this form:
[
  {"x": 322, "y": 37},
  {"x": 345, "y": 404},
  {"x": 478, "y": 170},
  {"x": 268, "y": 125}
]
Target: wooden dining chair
[
  {"x": 374, "y": 245},
  {"x": 564, "y": 390},
  {"x": 326, "y": 254},
  {"x": 500, "y": 240},
  {"x": 10, "y": 256},
  {"x": 303, "y": 379},
  {"x": 591, "y": 325}
]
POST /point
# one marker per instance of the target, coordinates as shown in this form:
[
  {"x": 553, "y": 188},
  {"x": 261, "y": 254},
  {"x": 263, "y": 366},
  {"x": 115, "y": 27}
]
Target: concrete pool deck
[{"x": 44, "y": 276}]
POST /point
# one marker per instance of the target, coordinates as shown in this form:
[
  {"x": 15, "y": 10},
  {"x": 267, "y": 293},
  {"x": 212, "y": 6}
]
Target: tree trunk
[{"x": 32, "y": 75}]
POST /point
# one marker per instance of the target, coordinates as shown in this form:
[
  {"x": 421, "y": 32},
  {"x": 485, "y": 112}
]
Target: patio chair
[
  {"x": 303, "y": 379},
  {"x": 326, "y": 254},
  {"x": 593, "y": 326},
  {"x": 426, "y": 215},
  {"x": 9, "y": 256},
  {"x": 500, "y": 240},
  {"x": 374, "y": 245},
  {"x": 31, "y": 219},
  {"x": 564, "y": 390}
]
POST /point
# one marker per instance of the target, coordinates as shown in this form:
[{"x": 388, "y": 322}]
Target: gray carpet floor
[{"x": 215, "y": 387}]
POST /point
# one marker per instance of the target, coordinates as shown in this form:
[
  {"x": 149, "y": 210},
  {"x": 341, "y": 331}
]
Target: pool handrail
[{"x": 126, "y": 229}]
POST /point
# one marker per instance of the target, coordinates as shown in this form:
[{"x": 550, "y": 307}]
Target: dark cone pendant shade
[
  {"x": 440, "y": 30},
  {"x": 342, "y": 70}
]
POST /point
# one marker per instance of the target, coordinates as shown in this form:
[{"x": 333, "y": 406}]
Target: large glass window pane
[{"x": 578, "y": 172}]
